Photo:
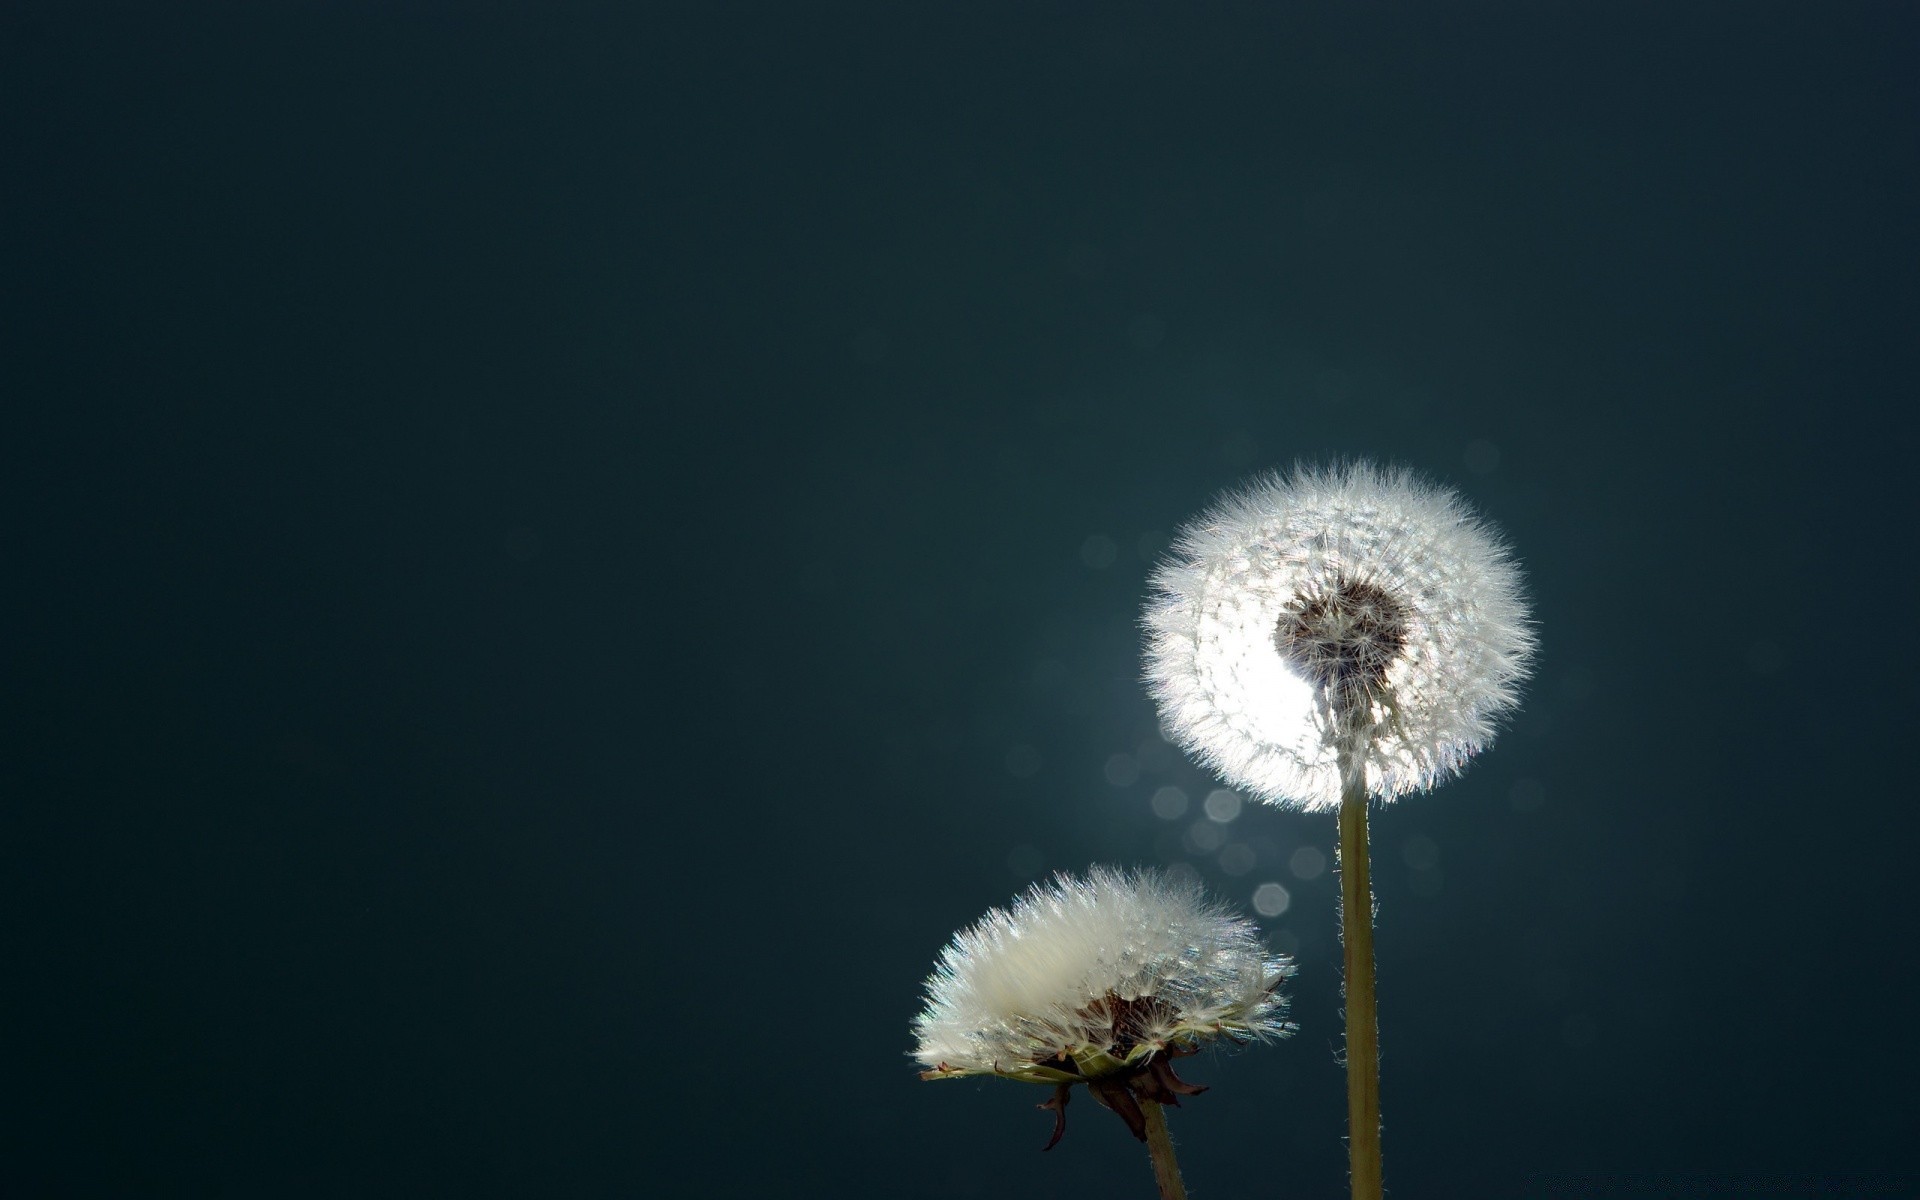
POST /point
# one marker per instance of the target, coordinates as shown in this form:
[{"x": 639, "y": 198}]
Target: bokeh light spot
[
  {"x": 1222, "y": 805},
  {"x": 1204, "y": 837},
  {"x": 1308, "y": 862},
  {"x": 1238, "y": 859},
  {"x": 1156, "y": 757},
  {"x": 1150, "y": 545},
  {"x": 1170, "y": 803},
  {"x": 1270, "y": 899}
]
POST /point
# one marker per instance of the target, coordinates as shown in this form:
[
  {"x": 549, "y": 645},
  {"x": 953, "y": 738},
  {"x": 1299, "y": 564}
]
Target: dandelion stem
[
  {"x": 1356, "y": 933},
  {"x": 1166, "y": 1171}
]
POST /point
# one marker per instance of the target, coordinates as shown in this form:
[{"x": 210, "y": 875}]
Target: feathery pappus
[
  {"x": 1325, "y": 597},
  {"x": 1101, "y": 980}
]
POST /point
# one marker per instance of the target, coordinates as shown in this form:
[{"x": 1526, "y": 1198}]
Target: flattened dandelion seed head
[
  {"x": 1084, "y": 976},
  {"x": 1351, "y": 589}
]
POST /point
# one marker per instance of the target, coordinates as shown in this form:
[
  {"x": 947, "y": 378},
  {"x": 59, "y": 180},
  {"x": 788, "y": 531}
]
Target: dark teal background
[{"x": 555, "y": 553}]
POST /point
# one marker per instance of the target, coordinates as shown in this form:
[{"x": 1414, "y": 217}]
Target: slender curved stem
[
  {"x": 1166, "y": 1171},
  {"x": 1363, "y": 1022}
]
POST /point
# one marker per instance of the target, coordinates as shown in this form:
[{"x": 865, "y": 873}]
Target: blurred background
[{"x": 557, "y": 552}]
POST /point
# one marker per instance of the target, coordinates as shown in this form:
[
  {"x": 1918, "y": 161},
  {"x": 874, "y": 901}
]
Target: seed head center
[{"x": 1344, "y": 635}]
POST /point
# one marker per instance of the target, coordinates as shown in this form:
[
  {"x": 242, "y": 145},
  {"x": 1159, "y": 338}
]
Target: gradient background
[{"x": 556, "y": 552}]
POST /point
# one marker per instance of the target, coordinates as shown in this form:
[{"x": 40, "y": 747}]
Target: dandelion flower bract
[
  {"x": 1354, "y": 589},
  {"x": 1099, "y": 980}
]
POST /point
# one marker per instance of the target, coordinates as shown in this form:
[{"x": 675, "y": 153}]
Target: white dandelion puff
[
  {"x": 1311, "y": 601},
  {"x": 1329, "y": 637},
  {"x": 1101, "y": 980}
]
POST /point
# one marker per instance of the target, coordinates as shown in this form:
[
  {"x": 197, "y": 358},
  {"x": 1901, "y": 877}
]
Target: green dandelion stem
[
  {"x": 1363, "y": 1022},
  {"x": 1166, "y": 1170}
]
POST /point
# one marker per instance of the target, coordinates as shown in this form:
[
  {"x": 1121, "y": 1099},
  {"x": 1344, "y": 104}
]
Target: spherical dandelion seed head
[
  {"x": 1310, "y": 597},
  {"x": 1097, "y": 974}
]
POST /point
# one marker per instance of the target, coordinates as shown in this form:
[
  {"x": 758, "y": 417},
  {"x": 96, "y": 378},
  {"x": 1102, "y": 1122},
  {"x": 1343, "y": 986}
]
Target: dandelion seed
[
  {"x": 1102, "y": 981},
  {"x": 1329, "y": 636},
  {"x": 1353, "y": 590}
]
